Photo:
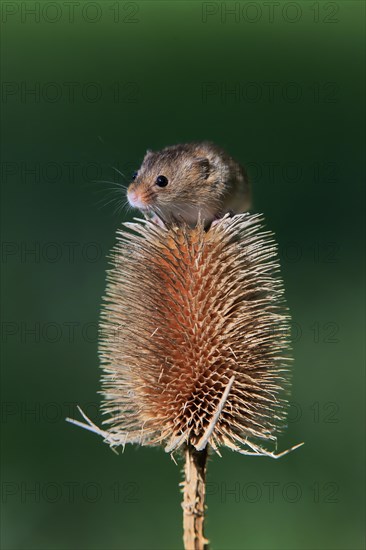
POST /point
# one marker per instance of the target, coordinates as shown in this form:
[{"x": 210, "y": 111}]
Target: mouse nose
[
  {"x": 132, "y": 197},
  {"x": 135, "y": 199}
]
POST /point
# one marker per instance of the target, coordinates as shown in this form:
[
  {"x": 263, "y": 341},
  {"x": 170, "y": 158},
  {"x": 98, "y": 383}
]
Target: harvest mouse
[{"x": 187, "y": 182}]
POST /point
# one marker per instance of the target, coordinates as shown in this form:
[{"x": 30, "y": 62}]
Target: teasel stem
[{"x": 194, "y": 490}]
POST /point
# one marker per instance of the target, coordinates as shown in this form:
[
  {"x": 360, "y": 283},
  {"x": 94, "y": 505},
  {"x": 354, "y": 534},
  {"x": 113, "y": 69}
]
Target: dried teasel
[{"x": 194, "y": 342}]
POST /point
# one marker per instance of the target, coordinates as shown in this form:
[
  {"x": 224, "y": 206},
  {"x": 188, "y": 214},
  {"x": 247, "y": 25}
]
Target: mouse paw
[{"x": 155, "y": 219}]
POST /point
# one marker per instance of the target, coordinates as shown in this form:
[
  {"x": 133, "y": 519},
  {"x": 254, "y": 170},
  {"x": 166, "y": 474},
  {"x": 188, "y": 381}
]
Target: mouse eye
[
  {"x": 161, "y": 181},
  {"x": 134, "y": 175}
]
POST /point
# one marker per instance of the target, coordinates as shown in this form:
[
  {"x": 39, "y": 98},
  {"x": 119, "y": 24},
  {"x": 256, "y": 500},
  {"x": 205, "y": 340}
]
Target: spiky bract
[{"x": 194, "y": 337}]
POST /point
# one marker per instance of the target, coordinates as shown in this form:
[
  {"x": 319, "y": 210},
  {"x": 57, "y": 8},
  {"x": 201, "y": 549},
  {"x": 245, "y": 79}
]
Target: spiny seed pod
[{"x": 194, "y": 338}]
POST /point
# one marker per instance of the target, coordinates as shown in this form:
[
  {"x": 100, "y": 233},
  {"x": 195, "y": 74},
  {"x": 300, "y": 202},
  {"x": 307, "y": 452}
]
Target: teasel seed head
[{"x": 194, "y": 338}]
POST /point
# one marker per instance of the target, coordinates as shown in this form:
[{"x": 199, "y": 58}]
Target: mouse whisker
[
  {"x": 104, "y": 204},
  {"x": 118, "y": 171},
  {"x": 121, "y": 206},
  {"x": 113, "y": 194},
  {"x": 116, "y": 184}
]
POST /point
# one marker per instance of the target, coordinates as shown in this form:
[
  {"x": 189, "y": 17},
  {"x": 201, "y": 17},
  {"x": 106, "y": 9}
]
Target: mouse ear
[
  {"x": 204, "y": 165},
  {"x": 148, "y": 154}
]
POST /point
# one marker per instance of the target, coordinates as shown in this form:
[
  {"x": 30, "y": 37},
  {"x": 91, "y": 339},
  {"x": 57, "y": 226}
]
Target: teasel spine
[{"x": 190, "y": 316}]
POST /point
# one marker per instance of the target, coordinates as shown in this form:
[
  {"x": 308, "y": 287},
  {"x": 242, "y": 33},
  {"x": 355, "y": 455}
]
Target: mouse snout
[
  {"x": 132, "y": 197},
  {"x": 135, "y": 199}
]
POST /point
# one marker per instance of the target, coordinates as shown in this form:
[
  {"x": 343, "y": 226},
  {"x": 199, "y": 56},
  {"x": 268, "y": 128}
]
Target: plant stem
[{"x": 194, "y": 499}]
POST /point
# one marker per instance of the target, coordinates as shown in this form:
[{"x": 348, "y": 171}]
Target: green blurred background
[{"x": 280, "y": 86}]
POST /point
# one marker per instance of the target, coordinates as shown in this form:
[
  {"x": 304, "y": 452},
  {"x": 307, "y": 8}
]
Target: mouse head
[{"x": 173, "y": 183}]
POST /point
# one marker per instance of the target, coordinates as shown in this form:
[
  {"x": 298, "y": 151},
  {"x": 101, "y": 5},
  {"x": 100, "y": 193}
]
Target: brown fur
[{"x": 203, "y": 181}]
